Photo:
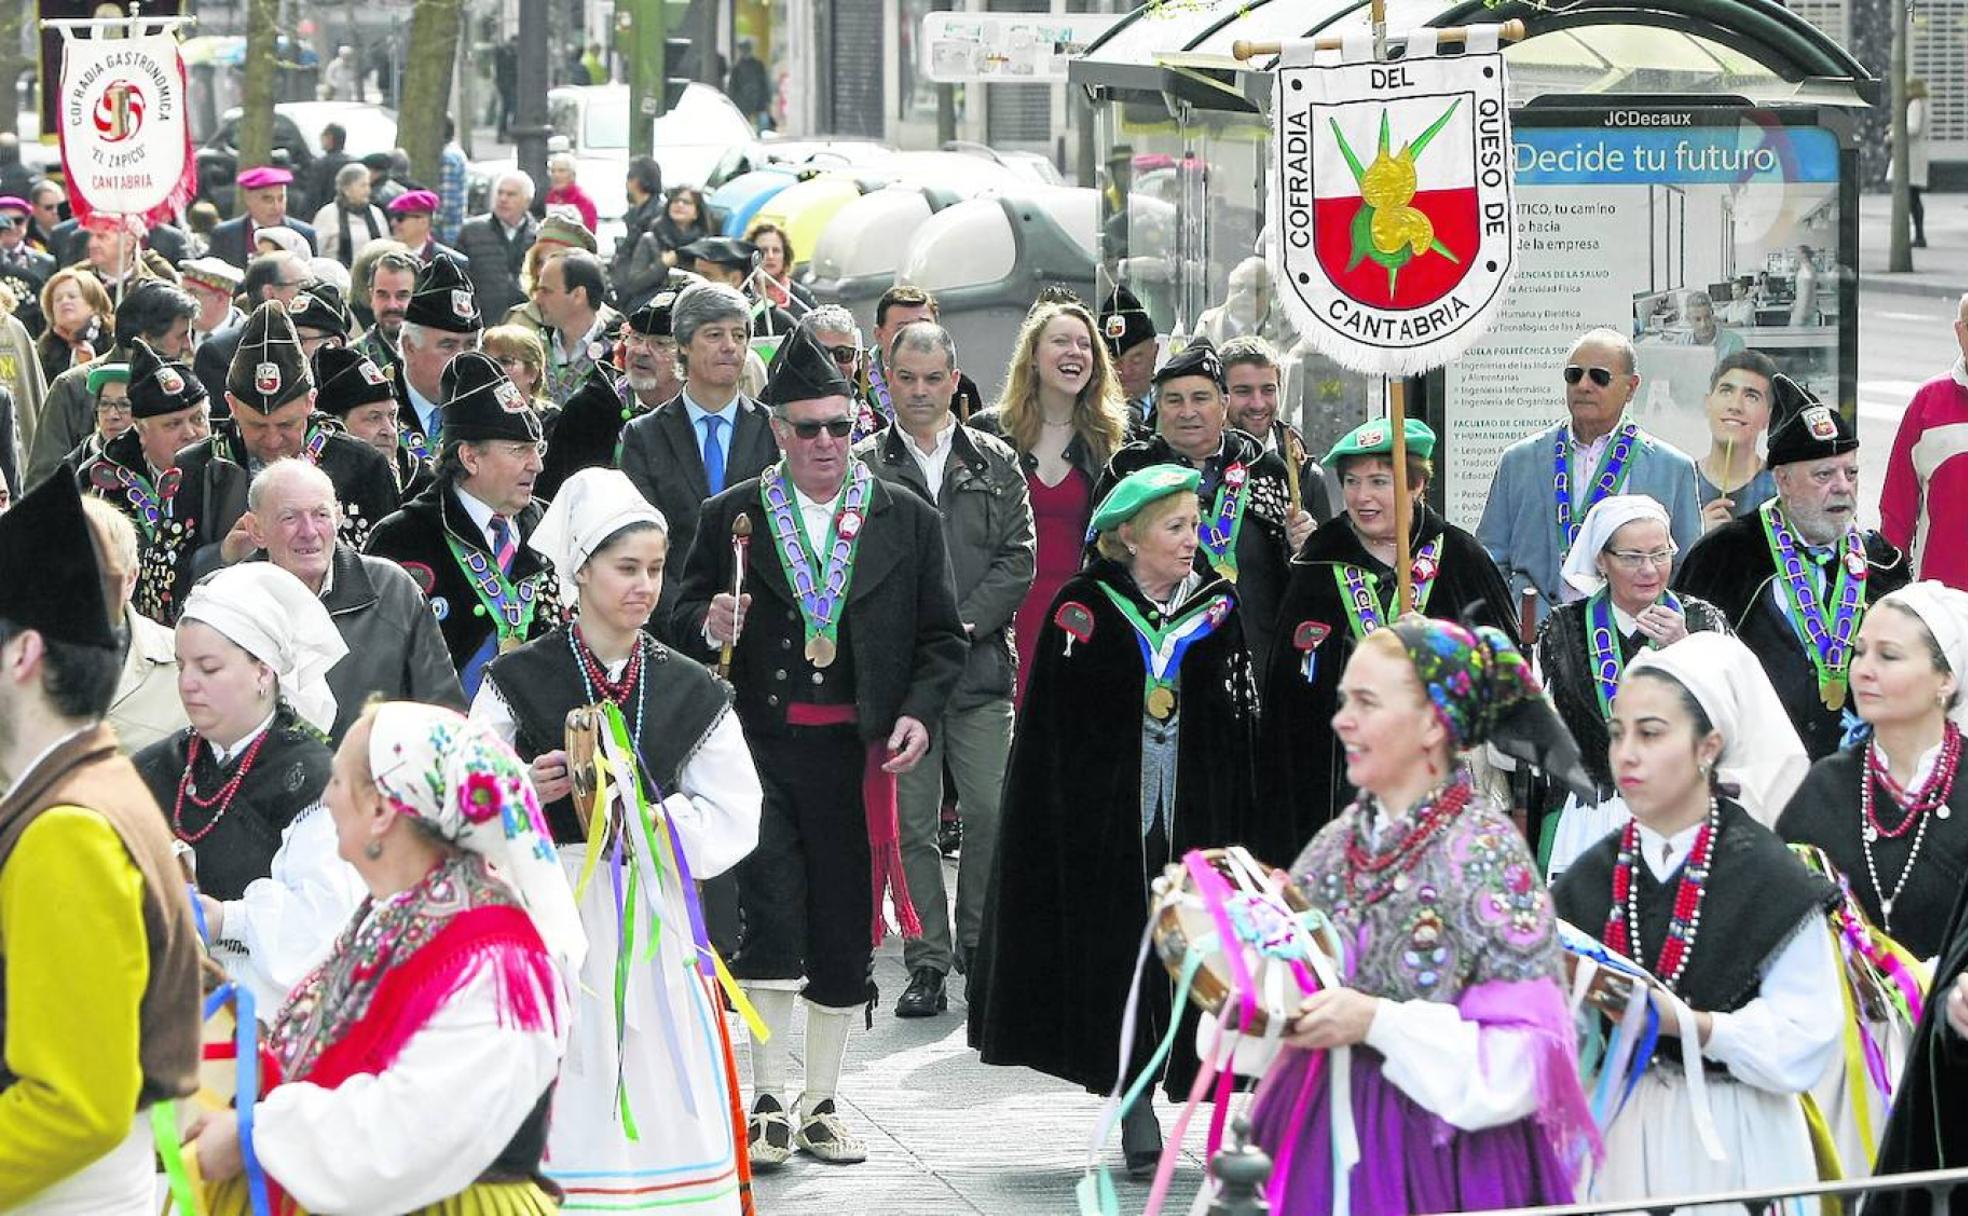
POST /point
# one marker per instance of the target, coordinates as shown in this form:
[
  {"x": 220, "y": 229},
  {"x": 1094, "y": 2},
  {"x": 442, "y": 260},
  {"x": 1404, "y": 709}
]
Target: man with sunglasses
[
  {"x": 846, "y": 645},
  {"x": 464, "y": 540},
  {"x": 1545, "y": 484},
  {"x": 1796, "y": 575}
]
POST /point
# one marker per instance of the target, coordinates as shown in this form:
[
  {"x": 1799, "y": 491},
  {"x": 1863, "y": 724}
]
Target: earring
[
  {"x": 1704, "y": 766},
  {"x": 373, "y": 850},
  {"x": 1133, "y": 552}
]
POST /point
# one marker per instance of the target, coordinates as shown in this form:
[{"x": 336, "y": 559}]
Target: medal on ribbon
[
  {"x": 1829, "y": 645},
  {"x": 1602, "y": 640},
  {"x": 1307, "y": 637},
  {"x": 510, "y": 606},
  {"x": 150, "y": 505},
  {"x": 1607, "y": 480},
  {"x": 413, "y": 442},
  {"x": 884, "y": 402},
  {"x": 1360, "y": 590},
  {"x": 317, "y": 439},
  {"x": 820, "y": 598},
  {"x": 1218, "y": 532},
  {"x": 1162, "y": 647}
]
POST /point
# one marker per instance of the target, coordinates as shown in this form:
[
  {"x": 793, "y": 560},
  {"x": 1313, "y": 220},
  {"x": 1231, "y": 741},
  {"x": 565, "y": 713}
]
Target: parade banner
[
  {"x": 125, "y": 136},
  {"x": 1393, "y": 233}
]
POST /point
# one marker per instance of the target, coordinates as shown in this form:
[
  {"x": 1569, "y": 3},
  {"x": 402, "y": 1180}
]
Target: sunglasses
[
  {"x": 839, "y": 428},
  {"x": 846, "y": 356},
  {"x": 1602, "y": 377}
]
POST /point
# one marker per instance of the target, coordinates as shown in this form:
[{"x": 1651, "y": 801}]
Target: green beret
[
  {"x": 107, "y": 373},
  {"x": 1376, "y": 438},
  {"x": 1140, "y": 488}
]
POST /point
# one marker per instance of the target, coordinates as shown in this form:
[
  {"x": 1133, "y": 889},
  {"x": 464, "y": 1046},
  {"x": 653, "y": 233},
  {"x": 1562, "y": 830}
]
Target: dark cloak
[
  {"x": 1070, "y": 887},
  {"x": 1732, "y": 569},
  {"x": 589, "y": 430},
  {"x": 1928, "y": 1128},
  {"x": 1301, "y": 773},
  {"x": 1826, "y": 812}
]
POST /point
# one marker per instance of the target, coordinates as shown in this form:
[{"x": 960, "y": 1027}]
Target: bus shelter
[{"x": 1686, "y": 172}]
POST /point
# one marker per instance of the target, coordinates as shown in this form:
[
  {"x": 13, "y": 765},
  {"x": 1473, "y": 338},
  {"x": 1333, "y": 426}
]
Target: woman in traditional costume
[
  {"x": 1732, "y": 926},
  {"x": 644, "y": 1117},
  {"x": 1133, "y": 748},
  {"x": 1454, "y": 1027},
  {"x": 1621, "y": 562},
  {"x": 412, "y": 1070},
  {"x": 1062, "y": 412},
  {"x": 1883, "y": 812},
  {"x": 243, "y": 785},
  {"x": 1341, "y": 589}
]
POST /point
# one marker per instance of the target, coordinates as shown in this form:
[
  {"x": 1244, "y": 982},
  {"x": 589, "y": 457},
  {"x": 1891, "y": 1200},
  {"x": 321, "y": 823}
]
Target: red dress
[{"x": 1060, "y": 514}]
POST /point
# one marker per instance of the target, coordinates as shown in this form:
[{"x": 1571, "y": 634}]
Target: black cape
[
  {"x": 1825, "y": 812},
  {"x": 414, "y": 538},
  {"x": 680, "y": 702},
  {"x": 589, "y": 430},
  {"x": 1565, "y": 660},
  {"x": 162, "y": 546},
  {"x": 1069, "y": 890},
  {"x": 1928, "y": 1129},
  {"x": 1732, "y": 569},
  {"x": 289, "y": 774},
  {"x": 1262, "y": 550},
  {"x": 1300, "y": 770},
  {"x": 1758, "y": 895}
]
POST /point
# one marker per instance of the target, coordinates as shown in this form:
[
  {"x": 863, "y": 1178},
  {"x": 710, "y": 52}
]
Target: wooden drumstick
[{"x": 741, "y": 543}]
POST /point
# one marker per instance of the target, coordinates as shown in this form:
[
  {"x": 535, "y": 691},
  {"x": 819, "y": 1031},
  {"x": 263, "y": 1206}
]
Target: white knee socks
[
  {"x": 826, "y": 1047},
  {"x": 775, "y": 1009}
]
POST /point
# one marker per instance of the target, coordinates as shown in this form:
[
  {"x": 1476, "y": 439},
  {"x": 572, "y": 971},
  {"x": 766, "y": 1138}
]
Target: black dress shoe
[
  {"x": 1141, "y": 1139},
  {"x": 924, "y": 997},
  {"x": 949, "y": 833}
]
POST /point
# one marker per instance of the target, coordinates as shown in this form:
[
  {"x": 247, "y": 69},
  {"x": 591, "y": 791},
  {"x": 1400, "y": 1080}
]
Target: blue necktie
[
  {"x": 436, "y": 425},
  {"x": 714, "y": 452},
  {"x": 504, "y": 547}
]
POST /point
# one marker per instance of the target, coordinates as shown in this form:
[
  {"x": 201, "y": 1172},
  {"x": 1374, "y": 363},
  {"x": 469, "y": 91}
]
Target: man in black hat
[
  {"x": 1132, "y": 341},
  {"x": 138, "y": 470},
  {"x": 835, "y": 692},
  {"x": 23, "y": 268},
  {"x": 350, "y": 387},
  {"x": 320, "y": 316},
  {"x": 709, "y": 435},
  {"x": 442, "y": 322},
  {"x": 1249, "y": 528},
  {"x": 99, "y": 1000},
  {"x": 588, "y": 432},
  {"x": 1835, "y": 569},
  {"x": 728, "y": 260},
  {"x": 271, "y": 391},
  {"x": 464, "y": 539}
]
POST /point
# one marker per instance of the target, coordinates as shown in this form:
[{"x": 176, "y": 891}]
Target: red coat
[
  {"x": 1927, "y": 481},
  {"x": 577, "y": 198}
]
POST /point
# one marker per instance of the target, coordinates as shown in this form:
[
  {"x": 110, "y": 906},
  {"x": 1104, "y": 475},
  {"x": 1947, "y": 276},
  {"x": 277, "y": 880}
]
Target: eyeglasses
[
  {"x": 839, "y": 428},
  {"x": 105, "y": 405},
  {"x": 846, "y": 356},
  {"x": 1603, "y": 377},
  {"x": 1633, "y": 559},
  {"x": 520, "y": 451}
]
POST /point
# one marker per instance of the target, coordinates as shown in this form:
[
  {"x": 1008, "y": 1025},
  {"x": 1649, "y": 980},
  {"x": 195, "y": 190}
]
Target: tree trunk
[
  {"x": 256, "y": 92},
  {"x": 1900, "y": 255},
  {"x": 10, "y": 64},
  {"x": 706, "y": 34},
  {"x": 427, "y": 86}
]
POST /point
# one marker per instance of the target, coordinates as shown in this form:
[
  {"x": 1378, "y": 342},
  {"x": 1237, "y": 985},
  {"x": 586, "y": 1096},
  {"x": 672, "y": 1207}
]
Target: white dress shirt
[
  {"x": 481, "y": 516},
  {"x": 934, "y": 459}
]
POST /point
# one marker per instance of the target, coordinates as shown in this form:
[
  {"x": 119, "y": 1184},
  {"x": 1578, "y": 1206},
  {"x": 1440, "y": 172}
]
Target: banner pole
[
  {"x": 1513, "y": 30},
  {"x": 1397, "y": 415}
]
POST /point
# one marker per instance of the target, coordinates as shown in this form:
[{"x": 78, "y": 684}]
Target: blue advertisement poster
[{"x": 1700, "y": 233}]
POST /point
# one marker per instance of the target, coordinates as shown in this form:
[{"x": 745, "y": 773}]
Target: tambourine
[
  {"x": 1612, "y": 979},
  {"x": 1258, "y": 935},
  {"x": 583, "y": 736}
]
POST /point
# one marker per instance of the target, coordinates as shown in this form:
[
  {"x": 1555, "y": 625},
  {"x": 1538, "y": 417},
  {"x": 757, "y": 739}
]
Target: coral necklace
[
  {"x": 1623, "y": 920},
  {"x": 222, "y": 799},
  {"x": 1368, "y": 877},
  {"x": 597, "y": 676},
  {"x": 1931, "y": 797}
]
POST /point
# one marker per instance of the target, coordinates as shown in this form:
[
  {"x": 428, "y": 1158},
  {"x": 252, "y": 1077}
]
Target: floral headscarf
[
  {"x": 456, "y": 775},
  {"x": 1483, "y": 692}
]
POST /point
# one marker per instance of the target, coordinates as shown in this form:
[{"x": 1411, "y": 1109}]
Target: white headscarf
[
  {"x": 591, "y": 506},
  {"x": 455, "y": 774},
  {"x": 1606, "y": 517},
  {"x": 1945, "y": 613},
  {"x": 1761, "y": 754},
  {"x": 271, "y": 615}
]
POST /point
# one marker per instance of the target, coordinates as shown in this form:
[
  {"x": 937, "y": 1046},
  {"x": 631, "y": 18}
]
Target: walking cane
[{"x": 741, "y": 543}]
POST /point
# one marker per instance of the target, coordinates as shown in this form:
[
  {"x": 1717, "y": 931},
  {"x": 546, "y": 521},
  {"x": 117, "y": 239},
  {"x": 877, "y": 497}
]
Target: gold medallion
[
  {"x": 1833, "y": 693},
  {"x": 1161, "y": 703},
  {"x": 821, "y": 651},
  {"x": 509, "y": 642}
]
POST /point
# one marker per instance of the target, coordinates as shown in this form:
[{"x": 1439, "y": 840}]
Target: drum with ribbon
[
  {"x": 1251, "y": 937},
  {"x": 583, "y": 737}
]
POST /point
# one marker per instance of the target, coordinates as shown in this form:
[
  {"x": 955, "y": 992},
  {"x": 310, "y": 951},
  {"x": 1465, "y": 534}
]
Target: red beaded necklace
[
  {"x": 1623, "y": 920},
  {"x": 222, "y": 799},
  {"x": 617, "y": 691},
  {"x": 1932, "y": 797},
  {"x": 1371, "y": 876}
]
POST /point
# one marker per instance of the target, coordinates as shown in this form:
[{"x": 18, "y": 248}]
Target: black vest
[{"x": 680, "y": 703}]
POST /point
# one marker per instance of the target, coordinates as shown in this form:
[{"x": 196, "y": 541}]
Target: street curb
[{"x": 1881, "y": 283}]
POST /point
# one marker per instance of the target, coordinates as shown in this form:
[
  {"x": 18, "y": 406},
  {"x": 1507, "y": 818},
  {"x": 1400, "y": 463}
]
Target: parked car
[{"x": 297, "y": 129}]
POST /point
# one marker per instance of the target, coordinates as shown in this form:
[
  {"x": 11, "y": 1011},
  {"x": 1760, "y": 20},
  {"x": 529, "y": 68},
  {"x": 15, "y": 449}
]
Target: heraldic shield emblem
[{"x": 1391, "y": 199}]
